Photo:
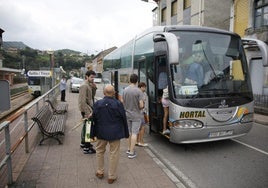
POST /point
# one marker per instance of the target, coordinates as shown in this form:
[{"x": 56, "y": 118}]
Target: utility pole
[{"x": 51, "y": 58}]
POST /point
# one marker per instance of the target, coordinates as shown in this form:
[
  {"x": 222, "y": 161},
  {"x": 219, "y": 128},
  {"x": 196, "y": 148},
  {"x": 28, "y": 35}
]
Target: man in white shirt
[{"x": 63, "y": 88}]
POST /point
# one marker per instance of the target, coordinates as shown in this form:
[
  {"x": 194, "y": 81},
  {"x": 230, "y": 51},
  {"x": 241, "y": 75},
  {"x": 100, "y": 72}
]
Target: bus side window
[
  {"x": 162, "y": 75},
  {"x": 162, "y": 80}
]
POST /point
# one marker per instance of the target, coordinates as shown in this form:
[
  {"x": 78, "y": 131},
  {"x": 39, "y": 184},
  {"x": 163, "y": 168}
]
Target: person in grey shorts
[{"x": 133, "y": 103}]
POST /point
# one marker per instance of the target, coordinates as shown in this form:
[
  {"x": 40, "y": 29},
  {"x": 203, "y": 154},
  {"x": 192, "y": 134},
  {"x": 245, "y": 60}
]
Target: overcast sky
[{"x": 88, "y": 26}]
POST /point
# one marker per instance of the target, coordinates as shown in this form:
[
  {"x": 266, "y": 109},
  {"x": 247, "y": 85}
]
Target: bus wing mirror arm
[{"x": 172, "y": 43}]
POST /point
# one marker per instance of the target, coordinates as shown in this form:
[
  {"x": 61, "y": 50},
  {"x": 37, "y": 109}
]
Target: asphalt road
[{"x": 239, "y": 163}]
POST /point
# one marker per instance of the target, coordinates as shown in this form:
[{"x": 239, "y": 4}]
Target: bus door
[
  {"x": 156, "y": 71},
  {"x": 155, "y": 84}
]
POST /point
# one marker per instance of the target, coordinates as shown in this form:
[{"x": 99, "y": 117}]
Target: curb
[
  {"x": 261, "y": 122},
  {"x": 180, "y": 179}
]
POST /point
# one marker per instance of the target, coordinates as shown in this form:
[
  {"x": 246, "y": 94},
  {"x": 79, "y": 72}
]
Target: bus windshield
[{"x": 211, "y": 65}]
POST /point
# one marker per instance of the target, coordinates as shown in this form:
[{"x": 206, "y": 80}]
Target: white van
[{"x": 75, "y": 84}]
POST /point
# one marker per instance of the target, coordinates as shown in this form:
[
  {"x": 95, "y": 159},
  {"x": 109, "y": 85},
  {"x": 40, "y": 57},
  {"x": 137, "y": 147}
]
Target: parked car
[
  {"x": 97, "y": 80},
  {"x": 75, "y": 84}
]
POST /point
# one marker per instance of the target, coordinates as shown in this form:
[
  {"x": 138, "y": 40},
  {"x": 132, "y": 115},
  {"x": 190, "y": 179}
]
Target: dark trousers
[
  {"x": 63, "y": 95},
  {"x": 86, "y": 144}
]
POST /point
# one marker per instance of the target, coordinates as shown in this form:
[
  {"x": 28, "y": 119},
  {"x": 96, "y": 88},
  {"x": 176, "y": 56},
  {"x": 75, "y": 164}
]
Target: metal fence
[
  {"x": 5, "y": 126},
  {"x": 261, "y": 103}
]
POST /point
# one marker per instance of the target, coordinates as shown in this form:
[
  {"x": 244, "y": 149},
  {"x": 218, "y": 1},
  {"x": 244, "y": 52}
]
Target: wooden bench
[
  {"x": 59, "y": 109},
  {"x": 51, "y": 125}
]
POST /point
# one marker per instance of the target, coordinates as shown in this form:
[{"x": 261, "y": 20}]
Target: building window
[
  {"x": 186, "y": 4},
  {"x": 164, "y": 15},
  {"x": 261, "y": 13},
  {"x": 174, "y": 5}
]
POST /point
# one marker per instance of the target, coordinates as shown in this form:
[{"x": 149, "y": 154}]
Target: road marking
[{"x": 252, "y": 147}]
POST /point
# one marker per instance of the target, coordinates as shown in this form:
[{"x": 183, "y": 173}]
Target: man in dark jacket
[{"x": 110, "y": 125}]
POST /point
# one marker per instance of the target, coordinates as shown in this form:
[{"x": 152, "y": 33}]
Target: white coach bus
[{"x": 216, "y": 104}]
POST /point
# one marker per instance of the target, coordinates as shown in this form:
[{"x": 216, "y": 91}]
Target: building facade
[
  {"x": 97, "y": 61},
  {"x": 195, "y": 12}
]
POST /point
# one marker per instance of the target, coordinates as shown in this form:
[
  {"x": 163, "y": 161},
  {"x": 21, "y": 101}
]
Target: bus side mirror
[
  {"x": 172, "y": 44},
  {"x": 159, "y": 38},
  {"x": 252, "y": 44}
]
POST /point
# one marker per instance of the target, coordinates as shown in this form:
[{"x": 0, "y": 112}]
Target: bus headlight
[
  {"x": 247, "y": 118},
  {"x": 187, "y": 124}
]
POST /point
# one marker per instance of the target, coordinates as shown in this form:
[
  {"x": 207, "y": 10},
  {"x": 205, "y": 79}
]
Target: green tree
[{"x": 68, "y": 59}]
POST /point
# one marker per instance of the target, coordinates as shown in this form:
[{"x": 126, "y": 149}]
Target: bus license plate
[{"x": 221, "y": 133}]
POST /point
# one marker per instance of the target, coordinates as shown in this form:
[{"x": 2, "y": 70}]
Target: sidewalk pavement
[
  {"x": 62, "y": 166},
  {"x": 261, "y": 119}
]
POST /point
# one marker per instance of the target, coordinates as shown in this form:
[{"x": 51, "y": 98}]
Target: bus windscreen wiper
[{"x": 214, "y": 90}]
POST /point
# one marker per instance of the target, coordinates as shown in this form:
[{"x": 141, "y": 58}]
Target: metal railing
[
  {"x": 9, "y": 150},
  {"x": 261, "y": 103}
]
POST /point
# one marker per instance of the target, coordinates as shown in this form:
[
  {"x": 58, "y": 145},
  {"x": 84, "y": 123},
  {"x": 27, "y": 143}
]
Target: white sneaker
[
  {"x": 167, "y": 131},
  {"x": 142, "y": 144}
]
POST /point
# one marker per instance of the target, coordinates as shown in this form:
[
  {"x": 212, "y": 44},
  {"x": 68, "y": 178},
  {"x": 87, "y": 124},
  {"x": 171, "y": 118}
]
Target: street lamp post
[{"x": 51, "y": 58}]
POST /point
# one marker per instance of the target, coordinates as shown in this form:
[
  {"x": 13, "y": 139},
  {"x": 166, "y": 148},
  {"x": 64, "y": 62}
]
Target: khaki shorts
[{"x": 134, "y": 126}]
